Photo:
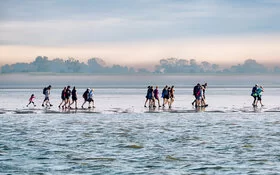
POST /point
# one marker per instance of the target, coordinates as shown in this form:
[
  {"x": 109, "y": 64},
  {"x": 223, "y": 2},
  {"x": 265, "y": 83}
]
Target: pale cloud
[
  {"x": 222, "y": 50},
  {"x": 52, "y": 23}
]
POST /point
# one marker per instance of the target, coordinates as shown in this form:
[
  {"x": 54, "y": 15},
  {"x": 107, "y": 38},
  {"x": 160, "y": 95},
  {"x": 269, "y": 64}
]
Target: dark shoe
[
  {"x": 43, "y": 105},
  {"x": 51, "y": 105}
]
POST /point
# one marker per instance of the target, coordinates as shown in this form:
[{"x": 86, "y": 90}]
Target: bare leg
[
  {"x": 84, "y": 103},
  {"x": 28, "y": 104},
  {"x": 71, "y": 103},
  {"x": 158, "y": 102},
  {"x": 194, "y": 101},
  {"x": 198, "y": 102},
  {"x": 43, "y": 104},
  {"x": 146, "y": 102},
  {"x": 154, "y": 102},
  {"x": 255, "y": 102},
  {"x": 203, "y": 103},
  {"x": 164, "y": 101},
  {"x": 47, "y": 103},
  {"x": 261, "y": 102},
  {"x": 89, "y": 104},
  {"x": 171, "y": 102},
  {"x": 63, "y": 101},
  {"x": 168, "y": 102}
]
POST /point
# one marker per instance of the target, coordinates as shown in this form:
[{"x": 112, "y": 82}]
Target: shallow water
[
  {"x": 140, "y": 143},
  {"x": 120, "y": 136}
]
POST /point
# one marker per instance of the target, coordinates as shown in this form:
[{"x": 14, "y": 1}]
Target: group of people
[
  {"x": 65, "y": 97},
  {"x": 199, "y": 94},
  {"x": 257, "y": 95},
  {"x": 88, "y": 97},
  {"x": 167, "y": 94},
  {"x": 153, "y": 95}
]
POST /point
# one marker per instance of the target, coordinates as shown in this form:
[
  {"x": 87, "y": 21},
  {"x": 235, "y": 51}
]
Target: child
[{"x": 31, "y": 100}]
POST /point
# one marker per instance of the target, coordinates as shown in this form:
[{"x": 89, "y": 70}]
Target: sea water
[{"x": 121, "y": 136}]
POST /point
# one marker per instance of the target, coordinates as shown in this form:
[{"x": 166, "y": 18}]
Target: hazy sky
[{"x": 141, "y": 32}]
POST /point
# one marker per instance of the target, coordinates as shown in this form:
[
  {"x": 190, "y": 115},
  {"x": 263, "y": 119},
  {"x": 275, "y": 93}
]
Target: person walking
[
  {"x": 63, "y": 95},
  {"x": 171, "y": 95},
  {"x": 31, "y": 100},
  {"x": 254, "y": 94},
  {"x": 85, "y": 96},
  {"x": 156, "y": 96},
  {"x": 259, "y": 92},
  {"x": 74, "y": 97},
  {"x": 47, "y": 92},
  {"x": 90, "y": 99}
]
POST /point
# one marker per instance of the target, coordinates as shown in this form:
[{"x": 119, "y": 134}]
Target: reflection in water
[{"x": 200, "y": 109}]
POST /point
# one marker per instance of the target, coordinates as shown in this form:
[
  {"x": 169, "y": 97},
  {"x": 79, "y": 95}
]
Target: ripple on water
[{"x": 164, "y": 143}]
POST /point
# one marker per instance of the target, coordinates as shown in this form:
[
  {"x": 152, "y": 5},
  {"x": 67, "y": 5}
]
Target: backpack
[
  {"x": 166, "y": 92},
  {"x": 254, "y": 90},
  {"x": 45, "y": 90},
  {"x": 85, "y": 95},
  {"x": 196, "y": 90}
]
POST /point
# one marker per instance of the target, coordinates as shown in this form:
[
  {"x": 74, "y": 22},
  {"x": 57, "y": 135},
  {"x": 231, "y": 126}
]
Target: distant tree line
[
  {"x": 174, "y": 65},
  {"x": 165, "y": 66},
  {"x": 71, "y": 65}
]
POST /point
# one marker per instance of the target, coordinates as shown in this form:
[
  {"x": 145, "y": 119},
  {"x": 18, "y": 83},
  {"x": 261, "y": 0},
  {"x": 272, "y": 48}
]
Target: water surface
[{"x": 120, "y": 136}]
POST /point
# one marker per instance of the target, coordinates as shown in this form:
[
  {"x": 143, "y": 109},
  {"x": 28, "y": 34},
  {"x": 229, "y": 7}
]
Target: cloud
[
  {"x": 58, "y": 23},
  {"x": 221, "y": 50},
  {"x": 140, "y": 32}
]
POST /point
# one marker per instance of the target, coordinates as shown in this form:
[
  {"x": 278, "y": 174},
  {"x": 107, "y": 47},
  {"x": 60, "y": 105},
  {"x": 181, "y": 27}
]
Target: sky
[{"x": 140, "y": 33}]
